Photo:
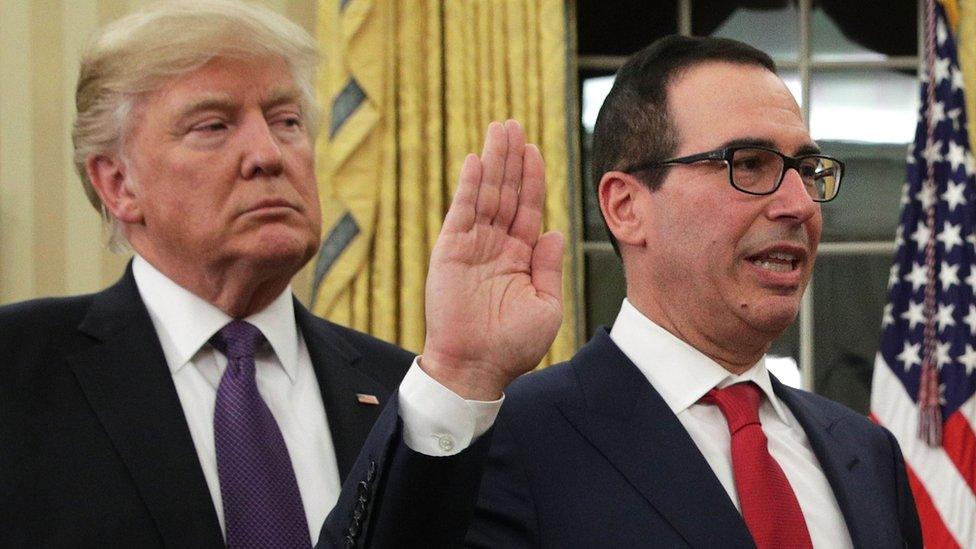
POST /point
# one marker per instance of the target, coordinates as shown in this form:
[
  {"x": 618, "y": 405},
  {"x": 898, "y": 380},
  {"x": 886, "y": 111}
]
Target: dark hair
[{"x": 634, "y": 126}]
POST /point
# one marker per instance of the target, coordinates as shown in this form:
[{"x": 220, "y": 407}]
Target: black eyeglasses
[{"x": 760, "y": 170}]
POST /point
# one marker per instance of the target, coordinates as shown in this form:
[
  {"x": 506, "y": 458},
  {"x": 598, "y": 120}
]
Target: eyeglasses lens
[{"x": 759, "y": 171}]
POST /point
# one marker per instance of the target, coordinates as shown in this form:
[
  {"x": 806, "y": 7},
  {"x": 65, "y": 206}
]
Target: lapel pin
[{"x": 367, "y": 399}]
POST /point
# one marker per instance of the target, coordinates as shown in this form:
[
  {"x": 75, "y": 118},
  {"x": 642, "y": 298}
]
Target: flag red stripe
[
  {"x": 934, "y": 532},
  {"x": 959, "y": 443}
]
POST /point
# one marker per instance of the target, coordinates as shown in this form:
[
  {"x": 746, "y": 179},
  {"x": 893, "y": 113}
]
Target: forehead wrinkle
[{"x": 806, "y": 148}]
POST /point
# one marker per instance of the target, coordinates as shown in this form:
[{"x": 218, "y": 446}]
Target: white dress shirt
[
  {"x": 436, "y": 421},
  {"x": 682, "y": 375}
]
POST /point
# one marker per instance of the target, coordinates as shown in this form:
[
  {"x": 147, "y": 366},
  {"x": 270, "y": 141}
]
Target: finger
[
  {"x": 532, "y": 197},
  {"x": 512, "y": 178},
  {"x": 460, "y": 216},
  {"x": 547, "y": 266},
  {"x": 492, "y": 171}
]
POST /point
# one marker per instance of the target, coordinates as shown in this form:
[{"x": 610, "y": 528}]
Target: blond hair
[{"x": 141, "y": 52}]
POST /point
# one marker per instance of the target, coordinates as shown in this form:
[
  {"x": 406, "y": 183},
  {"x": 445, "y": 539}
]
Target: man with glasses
[{"x": 668, "y": 430}]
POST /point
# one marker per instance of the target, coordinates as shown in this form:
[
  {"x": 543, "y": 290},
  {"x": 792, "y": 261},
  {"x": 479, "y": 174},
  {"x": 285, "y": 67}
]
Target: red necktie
[{"x": 768, "y": 503}]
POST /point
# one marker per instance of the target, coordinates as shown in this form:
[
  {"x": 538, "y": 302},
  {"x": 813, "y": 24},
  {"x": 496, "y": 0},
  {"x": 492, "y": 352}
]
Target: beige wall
[{"x": 51, "y": 242}]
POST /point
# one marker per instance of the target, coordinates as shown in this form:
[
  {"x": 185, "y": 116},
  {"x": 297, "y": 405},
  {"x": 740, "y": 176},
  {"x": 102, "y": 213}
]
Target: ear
[
  {"x": 109, "y": 176},
  {"x": 618, "y": 193}
]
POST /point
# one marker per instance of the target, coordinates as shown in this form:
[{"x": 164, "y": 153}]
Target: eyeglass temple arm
[{"x": 711, "y": 155}]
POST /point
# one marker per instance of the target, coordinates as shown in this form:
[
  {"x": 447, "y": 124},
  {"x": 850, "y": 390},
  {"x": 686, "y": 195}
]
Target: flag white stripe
[{"x": 946, "y": 487}]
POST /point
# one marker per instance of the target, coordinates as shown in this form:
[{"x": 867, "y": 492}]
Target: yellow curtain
[
  {"x": 951, "y": 8},
  {"x": 409, "y": 87},
  {"x": 966, "y": 42}
]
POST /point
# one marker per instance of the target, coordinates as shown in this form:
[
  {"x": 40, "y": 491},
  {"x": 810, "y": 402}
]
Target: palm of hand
[
  {"x": 494, "y": 301},
  {"x": 491, "y": 306}
]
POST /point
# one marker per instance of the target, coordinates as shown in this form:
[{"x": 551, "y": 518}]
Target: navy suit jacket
[
  {"x": 95, "y": 449},
  {"x": 588, "y": 454}
]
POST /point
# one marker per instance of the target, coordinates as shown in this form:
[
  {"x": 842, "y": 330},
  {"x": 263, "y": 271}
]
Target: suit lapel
[
  {"x": 630, "y": 424},
  {"x": 838, "y": 456},
  {"x": 334, "y": 361},
  {"x": 125, "y": 378}
]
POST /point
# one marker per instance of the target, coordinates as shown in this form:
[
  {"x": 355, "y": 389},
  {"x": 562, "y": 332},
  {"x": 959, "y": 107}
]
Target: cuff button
[{"x": 446, "y": 443}]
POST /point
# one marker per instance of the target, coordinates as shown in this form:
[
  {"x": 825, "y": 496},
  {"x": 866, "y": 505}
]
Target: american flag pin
[{"x": 367, "y": 399}]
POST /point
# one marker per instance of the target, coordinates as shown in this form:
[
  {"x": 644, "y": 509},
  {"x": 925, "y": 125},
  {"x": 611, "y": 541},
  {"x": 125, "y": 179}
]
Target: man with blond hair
[{"x": 196, "y": 403}]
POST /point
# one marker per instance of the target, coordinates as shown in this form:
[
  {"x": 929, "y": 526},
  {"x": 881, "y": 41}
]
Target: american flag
[{"x": 925, "y": 370}]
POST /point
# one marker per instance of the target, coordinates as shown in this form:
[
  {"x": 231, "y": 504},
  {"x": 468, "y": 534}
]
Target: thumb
[{"x": 547, "y": 265}]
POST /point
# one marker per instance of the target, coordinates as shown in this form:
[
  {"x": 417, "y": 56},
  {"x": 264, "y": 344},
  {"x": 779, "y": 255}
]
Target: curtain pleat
[{"x": 408, "y": 88}]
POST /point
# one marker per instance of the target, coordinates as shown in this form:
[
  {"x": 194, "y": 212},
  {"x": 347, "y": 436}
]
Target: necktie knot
[
  {"x": 739, "y": 404},
  {"x": 237, "y": 340}
]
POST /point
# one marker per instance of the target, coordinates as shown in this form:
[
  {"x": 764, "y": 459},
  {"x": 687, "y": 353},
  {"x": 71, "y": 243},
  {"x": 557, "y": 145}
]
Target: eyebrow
[
  {"x": 217, "y": 102},
  {"x": 808, "y": 148},
  {"x": 223, "y": 102}
]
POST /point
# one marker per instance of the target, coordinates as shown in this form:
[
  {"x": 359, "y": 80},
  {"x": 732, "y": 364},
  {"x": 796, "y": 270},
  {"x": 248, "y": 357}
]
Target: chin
[
  {"x": 283, "y": 250},
  {"x": 776, "y": 321},
  {"x": 773, "y": 315}
]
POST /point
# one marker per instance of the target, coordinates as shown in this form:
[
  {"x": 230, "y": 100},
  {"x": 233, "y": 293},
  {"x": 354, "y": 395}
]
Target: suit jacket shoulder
[
  {"x": 30, "y": 328},
  {"x": 96, "y": 450},
  {"x": 96, "y": 445},
  {"x": 587, "y": 453}
]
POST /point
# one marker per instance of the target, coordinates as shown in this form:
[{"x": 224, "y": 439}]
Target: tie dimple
[{"x": 237, "y": 340}]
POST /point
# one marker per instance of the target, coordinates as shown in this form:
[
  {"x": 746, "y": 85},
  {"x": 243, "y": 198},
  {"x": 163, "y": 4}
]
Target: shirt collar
[
  {"x": 680, "y": 373},
  {"x": 185, "y": 322}
]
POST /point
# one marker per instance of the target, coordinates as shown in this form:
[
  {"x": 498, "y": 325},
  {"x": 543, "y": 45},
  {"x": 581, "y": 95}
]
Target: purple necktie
[{"x": 262, "y": 504}]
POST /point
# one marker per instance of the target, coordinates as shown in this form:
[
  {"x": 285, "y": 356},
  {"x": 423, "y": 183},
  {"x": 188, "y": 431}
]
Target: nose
[
  {"x": 261, "y": 153},
  {"x": 792, "y": 201}
]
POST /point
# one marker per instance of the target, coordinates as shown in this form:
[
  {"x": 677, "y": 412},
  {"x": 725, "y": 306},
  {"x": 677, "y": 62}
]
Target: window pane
[
  {"x": 847, "y": 31},
  {"x": 848, "y": 300},
  {"x": 868, "y": 205},
  {"x": 872, "y": 106},
  {"x": 774, "y": 30},
  {"x": 594, "y": 91},
  {"x": 605, "y": 289},
  {"x": 784, "y": 356}
]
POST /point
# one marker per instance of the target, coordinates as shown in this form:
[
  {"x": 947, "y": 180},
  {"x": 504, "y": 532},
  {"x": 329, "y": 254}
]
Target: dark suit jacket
[
  {"x": 588, "y": 454},
  {"x": 95, "y": 450}
]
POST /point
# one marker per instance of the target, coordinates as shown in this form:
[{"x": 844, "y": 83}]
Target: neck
[
  {"x": 237, "y": 290},
  {"x": 736, "y": 354}
]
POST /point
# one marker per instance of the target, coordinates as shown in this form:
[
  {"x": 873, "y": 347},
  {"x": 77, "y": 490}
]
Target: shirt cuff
[{"x": 438, "y": 422}]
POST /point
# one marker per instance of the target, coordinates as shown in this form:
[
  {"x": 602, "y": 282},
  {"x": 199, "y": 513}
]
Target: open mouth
[{"x": 778, "y": 262}]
